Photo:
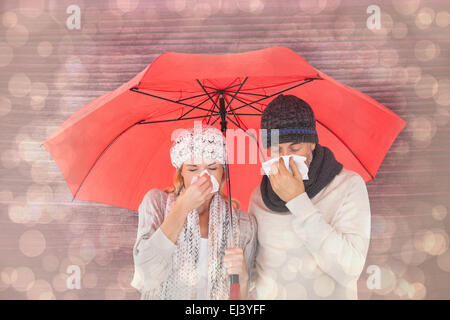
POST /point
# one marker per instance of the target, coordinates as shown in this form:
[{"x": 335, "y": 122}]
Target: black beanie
[{"x": 293, "y": 118}]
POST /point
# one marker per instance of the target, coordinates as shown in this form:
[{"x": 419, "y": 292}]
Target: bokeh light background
[{"x": 48, "y": 72}]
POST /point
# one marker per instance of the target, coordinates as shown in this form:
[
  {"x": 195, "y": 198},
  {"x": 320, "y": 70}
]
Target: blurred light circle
[
  {"x": 422, "y": 129},
  {"x": 6, "y": 55},
  {"x": 34, "y": 213},
  {"x": 442, "y": 19},
  {"x": 418, "y": 291},
  {"x": 6, "y": 196},
  {"x": 324, "y": 286},
  {"x": 31, "y": 8},
  {"x": 313, "y": 6},
  {"x": 38, "y": 91},
  {"x": 414, "y": 73},
  {"x": 251, "y": 6},
  {"x": 267, "y": 287},
  {"x": 388, "y": 281},
  {"x": 203, "y": 10},
  {"x": 72, "y": 261},
  {"x": 90, "y": 280},
  {"x": 415, "y": 274},
  {"x": 426, "y": 50},
  {"x": 295, "y": 291},
  {"x": 87, "y": 250},
  {"x": 406, "y": 7},
  {"x": 127, "y": 5},
  {"x": 400, "y": 30},
  {"x": 388, "y": 57},
  {"x": 59, "y": 282},
  {"x": 114, "y": 292},
  {"x": 228, "y": 7},
  {"x": 10, "y": 159},
  {"x": 9, "y": 19},
  {"x": 410, "y": 255},
  {"x": 17, "y": 36},
  {"x": 426, "y": 87},
  {"x": 124, "y": 277},
  {"x": 103, "y": 257},
  {"x": 5, "y": 106},
  {"x": 71, "y": 295},
  {"x": 441, "y": 117},
  {"x": 50, "y": 263},
  {"x": 32, "y": 243},
  {"x": 443, "y": 95},
  {"x": 381, "y": 245},
  {"x": 40, "y": 172},
  {"x": 439, "y": 212},
  {"x": 332, "y": 5},
  {"x": 29, "y": 149},
  {"x": 40, "y": 290},
  {"x": 424, "y": 18},
  {"x": 289, "y": 270},
  {"x": 19, "y": 85},
  {"x": 403, "y": 287},
  {"x": 25, "y": 279},
  {"x": 39, "y": 193},
  {"x": 386, "y": 24},
  {"x": 8, "y": 276},
  {"x": 44, "y": 49},
  {"x": 435, "y": 242},
  {"x": 17, "y": 213},
  {"x": 343, "y": 27},
  {"x": 443, "y": 261},
  {"x": 177, "y": 5}
]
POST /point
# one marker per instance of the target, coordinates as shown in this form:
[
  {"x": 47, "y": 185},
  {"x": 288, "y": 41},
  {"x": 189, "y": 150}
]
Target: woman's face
[
  {"x": 304, "y": 149},
  {"x": 193, "y": 167}
]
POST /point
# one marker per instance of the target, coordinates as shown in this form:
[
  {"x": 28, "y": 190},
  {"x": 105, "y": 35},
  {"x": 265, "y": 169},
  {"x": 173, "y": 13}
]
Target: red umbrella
[{"x": 116, "y": 147}]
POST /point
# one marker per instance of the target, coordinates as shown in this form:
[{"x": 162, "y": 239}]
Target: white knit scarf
[{"x": 183, "y": 277}]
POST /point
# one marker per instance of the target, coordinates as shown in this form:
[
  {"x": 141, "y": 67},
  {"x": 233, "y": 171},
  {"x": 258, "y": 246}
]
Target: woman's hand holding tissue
[{"x": 286, "y": 185}]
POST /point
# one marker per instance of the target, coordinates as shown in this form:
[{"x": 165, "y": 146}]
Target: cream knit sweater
[{"x": 319, "y": 250}]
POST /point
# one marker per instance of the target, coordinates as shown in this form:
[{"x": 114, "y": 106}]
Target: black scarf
[{"x": 323, "y": 168}]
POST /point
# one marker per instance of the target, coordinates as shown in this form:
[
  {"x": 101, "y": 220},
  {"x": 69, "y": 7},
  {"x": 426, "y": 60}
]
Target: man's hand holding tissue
[{"x": 286, "y": 185}]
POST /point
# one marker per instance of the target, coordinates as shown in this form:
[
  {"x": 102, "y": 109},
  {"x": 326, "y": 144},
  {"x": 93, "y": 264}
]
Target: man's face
[{"x": 304, "y": 149}]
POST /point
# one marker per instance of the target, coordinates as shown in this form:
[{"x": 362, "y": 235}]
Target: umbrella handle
[{"x": 235, "y": 287}]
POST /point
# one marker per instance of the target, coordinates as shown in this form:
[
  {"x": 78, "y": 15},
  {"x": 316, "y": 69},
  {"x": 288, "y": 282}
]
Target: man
[{"x": 313, "y": 235}]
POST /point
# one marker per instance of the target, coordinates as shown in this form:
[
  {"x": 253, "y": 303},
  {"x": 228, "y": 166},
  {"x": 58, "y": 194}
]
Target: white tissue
[
  {"x": 299, "y": 161},
  {"x": 214, "y": 181}
]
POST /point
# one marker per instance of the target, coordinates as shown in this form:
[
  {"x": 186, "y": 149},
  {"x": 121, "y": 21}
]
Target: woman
[{"x": 182, "y": 248}]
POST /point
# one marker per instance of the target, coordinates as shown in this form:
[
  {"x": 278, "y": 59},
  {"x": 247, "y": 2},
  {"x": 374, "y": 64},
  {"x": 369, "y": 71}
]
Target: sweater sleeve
[
  {"x": 340, "y": 247},
  {"x": 152, "y": 251},
  {"x": 250, "y": 253}
]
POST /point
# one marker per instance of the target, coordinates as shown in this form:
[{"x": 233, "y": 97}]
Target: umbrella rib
[
  {"x": 168, "y": 120},
  {"x": 297, "y": 85},
  {"x": 203, "y": 88},
  {"x": 200, "y": 95},
  {"x": 165, "y": 99},
  {"x": 349, "y": 149},
  {"x": 253, "y": 94},
  {"x": 212, "y": 107},
  {"x": 223, "y": 89},
  {"x": 248, "y": 105},
  {"x": 196, "y": 107}
]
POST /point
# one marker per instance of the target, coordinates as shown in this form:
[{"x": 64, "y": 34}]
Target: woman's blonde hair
[{"x": 178, "y": 184}]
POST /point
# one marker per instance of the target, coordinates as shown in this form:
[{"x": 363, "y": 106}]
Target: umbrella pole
[{"x": 235, "y": 288}]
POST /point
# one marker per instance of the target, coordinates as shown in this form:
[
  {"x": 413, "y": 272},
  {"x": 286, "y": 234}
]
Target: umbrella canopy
[{"x": 116, "y": 147}]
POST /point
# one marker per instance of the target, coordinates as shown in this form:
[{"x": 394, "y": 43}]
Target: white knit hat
[{"x": 199, "y": 142}]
